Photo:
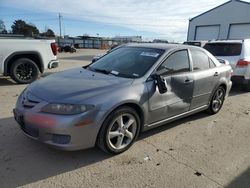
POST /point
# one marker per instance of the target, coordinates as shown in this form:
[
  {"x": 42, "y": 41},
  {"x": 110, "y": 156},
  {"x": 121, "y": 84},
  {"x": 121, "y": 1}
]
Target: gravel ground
[{"x": 198, "y": 151}]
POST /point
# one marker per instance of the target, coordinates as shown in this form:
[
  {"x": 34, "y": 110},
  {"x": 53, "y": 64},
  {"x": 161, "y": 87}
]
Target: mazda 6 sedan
[{"x": 132, "y": 89}]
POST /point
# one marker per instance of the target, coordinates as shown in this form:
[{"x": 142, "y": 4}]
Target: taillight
[
  {"x": 242, "y": 63},
  {"x": 54, "y": 48}
]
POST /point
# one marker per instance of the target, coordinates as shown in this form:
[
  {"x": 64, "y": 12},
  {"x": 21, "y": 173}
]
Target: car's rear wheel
[
  {"x": 217, "y": 100},
  {"x": 24, "y": 71},
  {"x": 119, "y": 131}
]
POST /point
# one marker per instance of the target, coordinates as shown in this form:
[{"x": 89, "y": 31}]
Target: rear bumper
[
  {"x": 240, "y": 80},
  {"x": 53, "y": 64}
]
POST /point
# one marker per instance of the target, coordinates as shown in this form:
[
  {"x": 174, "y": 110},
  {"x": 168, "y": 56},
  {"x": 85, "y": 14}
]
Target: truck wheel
[
  {"x": 119, "y": 131},
  {"x": 217, "y": 101},
  {"x": 24, "y": 71}
]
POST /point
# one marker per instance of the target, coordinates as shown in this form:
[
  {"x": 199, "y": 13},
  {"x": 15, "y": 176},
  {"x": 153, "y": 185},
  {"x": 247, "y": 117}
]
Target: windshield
[
  {"x": 224, "y": 49},
  {"x": 129, "y": 62}
]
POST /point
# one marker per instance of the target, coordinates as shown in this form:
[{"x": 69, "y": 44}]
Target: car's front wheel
[
  {"x": 119, "y": 131},
  {"x": 217, "y": 100}
]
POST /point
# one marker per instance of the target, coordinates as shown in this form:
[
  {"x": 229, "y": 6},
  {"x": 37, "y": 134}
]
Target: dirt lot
[{"x": 198, "y": 151}]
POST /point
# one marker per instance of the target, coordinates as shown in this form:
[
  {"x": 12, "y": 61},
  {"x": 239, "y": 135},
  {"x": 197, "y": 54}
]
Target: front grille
[
  {"x": 29, "y": 100},
  {"x": 29, "y": 103}
]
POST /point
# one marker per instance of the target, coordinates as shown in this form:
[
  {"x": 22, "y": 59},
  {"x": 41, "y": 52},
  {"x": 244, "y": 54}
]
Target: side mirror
[
  {"x": 160, "y": 83},
  {"x": 223, "y": 61},
  {"x": 95, "y": 59}
]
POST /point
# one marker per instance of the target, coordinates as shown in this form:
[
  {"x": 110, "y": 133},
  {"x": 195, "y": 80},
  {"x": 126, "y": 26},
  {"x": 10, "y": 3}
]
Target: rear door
[
  {"x": 176, "y": 71},
  {"x": 206, "y": 76}
]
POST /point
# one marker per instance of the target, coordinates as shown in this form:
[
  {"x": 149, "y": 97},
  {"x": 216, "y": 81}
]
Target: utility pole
[{"x": 60, "y": 24}]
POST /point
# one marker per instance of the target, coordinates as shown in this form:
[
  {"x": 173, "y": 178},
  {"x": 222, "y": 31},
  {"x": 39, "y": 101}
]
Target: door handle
[
  {"x": 216, "y": 74},
  {"x": 188, "y": 81}
]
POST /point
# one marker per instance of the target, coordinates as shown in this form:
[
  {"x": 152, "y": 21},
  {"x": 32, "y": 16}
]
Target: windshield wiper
[
  {"x": 105, "y": 71},
  {"x": 101, "y": 70},
  {"x": 85, "y": 66}
]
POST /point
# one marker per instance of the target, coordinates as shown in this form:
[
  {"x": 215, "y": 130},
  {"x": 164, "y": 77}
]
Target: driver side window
[{"x": 176, "y": 63}]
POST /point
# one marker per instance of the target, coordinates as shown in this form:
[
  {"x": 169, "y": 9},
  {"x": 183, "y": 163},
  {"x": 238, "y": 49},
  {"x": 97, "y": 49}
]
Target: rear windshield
[{"x": 224, "y": 49}]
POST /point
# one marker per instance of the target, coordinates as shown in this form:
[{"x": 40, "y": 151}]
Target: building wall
[{"x": 233, "y": 12}]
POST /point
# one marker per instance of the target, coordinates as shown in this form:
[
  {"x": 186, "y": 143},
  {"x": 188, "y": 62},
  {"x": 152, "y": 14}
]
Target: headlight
[{"x": 65, "y": 109}]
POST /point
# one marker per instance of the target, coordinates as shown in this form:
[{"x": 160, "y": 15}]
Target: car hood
[{"x": 75, "y": 85}]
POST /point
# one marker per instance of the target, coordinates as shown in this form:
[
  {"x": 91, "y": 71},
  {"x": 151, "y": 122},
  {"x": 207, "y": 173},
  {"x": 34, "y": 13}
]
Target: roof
[
  {"x": 228, "y": 41},
  {"x": 248, "y": 3},
  {"x": 164, "y": 46},
  {"x": 153, "y": 45}
]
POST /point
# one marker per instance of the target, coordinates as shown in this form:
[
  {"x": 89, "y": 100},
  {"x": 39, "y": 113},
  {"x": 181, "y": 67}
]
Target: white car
[{"x": 237, "y": 53}]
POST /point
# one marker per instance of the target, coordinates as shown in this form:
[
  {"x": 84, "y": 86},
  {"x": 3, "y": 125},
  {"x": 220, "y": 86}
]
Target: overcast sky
[{"x": 166, "y": 19}]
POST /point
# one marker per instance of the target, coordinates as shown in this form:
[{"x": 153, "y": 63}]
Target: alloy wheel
[
  {"x": 122, "y": 131},
  {"x": 218, "y": 99}
]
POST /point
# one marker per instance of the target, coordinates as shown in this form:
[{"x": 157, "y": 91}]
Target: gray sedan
[{"x": 132, "y": 89}]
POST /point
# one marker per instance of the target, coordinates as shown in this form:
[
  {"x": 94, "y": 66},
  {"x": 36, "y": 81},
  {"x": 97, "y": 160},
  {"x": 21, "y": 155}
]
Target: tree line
[{"x": 20, "y": 27}]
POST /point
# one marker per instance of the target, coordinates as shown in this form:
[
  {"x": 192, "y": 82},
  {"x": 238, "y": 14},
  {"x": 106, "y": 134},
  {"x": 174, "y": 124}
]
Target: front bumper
[
  {"x": 53, "y": 64},
  {"x": 61, "y": 132}
]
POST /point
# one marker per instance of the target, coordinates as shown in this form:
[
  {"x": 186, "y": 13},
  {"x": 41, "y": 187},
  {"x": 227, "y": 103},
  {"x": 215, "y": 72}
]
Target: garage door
[
  {"x": 239, "y": 31},
  {"x": 207, "y": 32}
]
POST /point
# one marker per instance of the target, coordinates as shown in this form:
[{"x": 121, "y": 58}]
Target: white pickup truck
[{"x": 24, "y": 59}]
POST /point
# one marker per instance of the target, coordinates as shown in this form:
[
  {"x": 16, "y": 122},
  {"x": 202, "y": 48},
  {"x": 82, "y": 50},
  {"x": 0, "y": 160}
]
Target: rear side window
[
  {"x": 200, "y": 60},
  {"x": 224, "y": 49},
  {"x": 175, "y": 63},
  {"x": 211, "y": 63}
]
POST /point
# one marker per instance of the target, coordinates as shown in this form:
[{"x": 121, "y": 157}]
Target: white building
[{"x": 230, "y": 20}]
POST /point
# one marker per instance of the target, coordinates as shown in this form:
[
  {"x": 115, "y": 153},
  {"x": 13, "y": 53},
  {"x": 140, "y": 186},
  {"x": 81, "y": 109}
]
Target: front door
[{"x": 179, "y": 79}]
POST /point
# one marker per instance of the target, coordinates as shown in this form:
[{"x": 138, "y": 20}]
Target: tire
[
  {"x": 24, "y": 71},
  {"x": 123, "y": 134},
  {"x": 217, "y": 101}
]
